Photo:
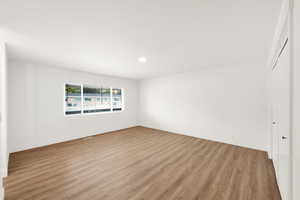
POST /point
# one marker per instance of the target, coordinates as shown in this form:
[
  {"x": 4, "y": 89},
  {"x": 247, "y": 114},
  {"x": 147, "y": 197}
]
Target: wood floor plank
[{"x": 140, "y": 164}]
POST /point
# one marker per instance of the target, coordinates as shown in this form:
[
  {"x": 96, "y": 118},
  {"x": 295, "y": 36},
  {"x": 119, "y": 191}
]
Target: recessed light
[{"x": 142, "y": 59}]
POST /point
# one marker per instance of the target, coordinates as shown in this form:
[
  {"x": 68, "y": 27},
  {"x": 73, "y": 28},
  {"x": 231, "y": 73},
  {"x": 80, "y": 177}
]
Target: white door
[{"x": 281, "y": 122}]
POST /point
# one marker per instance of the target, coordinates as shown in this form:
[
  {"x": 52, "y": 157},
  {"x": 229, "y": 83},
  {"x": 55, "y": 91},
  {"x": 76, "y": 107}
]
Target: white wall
[
  {"x": 36, "y": 106},
  {"x": 227, "y": 104}
]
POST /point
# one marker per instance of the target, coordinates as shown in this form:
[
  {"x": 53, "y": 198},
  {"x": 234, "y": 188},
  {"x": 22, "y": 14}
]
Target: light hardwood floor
[{"x": 141, "y": 164}]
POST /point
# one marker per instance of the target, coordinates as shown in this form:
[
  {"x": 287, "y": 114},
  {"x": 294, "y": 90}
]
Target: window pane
[
  {"x": 91, "y": 96},
  {"x": 72, "y": 99},
  {"x": 104, "y": 105},
  {"x": 96, "y": 99},
  {"x": 117, "y": 99}
]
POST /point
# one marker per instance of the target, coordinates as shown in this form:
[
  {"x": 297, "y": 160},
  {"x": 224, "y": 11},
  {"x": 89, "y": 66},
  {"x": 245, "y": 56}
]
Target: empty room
[{"x": 150, "y": 100}]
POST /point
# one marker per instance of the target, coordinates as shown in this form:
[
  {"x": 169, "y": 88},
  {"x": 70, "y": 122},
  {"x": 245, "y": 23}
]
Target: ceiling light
[{"x": 142, "y": 59}]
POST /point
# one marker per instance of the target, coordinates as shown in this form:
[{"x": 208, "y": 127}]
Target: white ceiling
[{"x": 107, "y": 37}]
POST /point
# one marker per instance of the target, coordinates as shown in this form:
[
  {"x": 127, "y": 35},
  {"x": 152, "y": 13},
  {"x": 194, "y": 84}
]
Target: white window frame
[{"x": 82, "y": 108}]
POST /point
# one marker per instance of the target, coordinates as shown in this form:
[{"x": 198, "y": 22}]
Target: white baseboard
[
  {"x": 1, "y": 193},
  {"x": 211, "y": 139},
  {"x": 269, "y": 155},
  {"x": 7, "y": 162}
]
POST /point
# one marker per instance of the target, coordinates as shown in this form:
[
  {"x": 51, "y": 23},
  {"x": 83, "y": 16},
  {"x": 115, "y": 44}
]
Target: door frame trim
[{"x": 3, "y": 120}]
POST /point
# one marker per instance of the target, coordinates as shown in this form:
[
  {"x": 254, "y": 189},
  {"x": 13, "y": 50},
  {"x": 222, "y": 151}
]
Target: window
[
  {"x": 72, "y": 99},
  {"x": 91, "y": 99},
  {"x": 116, "y": 99}
]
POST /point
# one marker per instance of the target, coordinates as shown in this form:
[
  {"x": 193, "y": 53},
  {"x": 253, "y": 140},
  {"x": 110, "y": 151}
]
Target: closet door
[{"x": 281, "y": 87}]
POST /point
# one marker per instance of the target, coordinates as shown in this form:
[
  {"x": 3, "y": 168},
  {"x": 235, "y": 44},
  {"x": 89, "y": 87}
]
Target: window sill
[{"x": 95, "y": 113}]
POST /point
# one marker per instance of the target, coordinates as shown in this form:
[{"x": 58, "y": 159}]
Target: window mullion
[
  {"x": 111, "y": 100},
  {"x": 82, "y": 99}
]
